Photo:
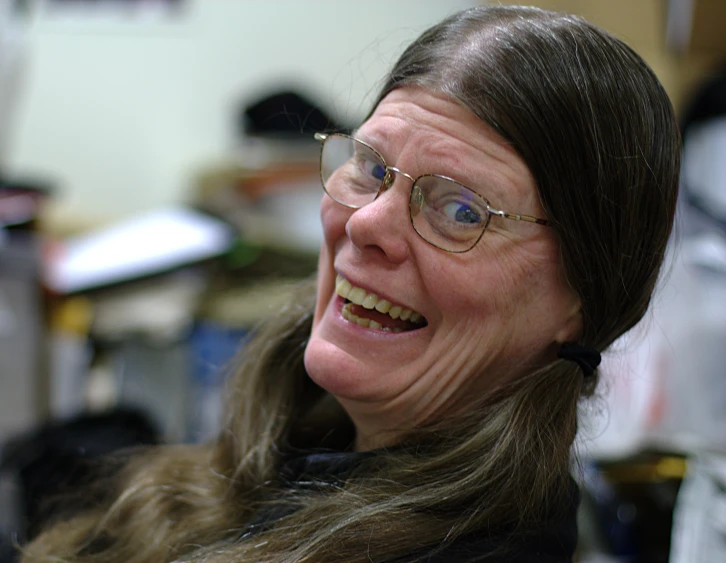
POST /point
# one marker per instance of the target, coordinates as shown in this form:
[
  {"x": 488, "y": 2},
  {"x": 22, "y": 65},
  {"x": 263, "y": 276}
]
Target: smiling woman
[
  {"x": 499, "y": 219},
  {"x": 474, "y": 291}
]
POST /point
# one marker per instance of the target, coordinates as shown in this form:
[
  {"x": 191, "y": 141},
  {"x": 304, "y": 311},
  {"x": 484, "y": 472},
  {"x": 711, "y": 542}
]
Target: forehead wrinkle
[
  {"x": 495, "y": 184},
  {"x": 379, "y": 137},
  {"x": 443, "y": 107}
]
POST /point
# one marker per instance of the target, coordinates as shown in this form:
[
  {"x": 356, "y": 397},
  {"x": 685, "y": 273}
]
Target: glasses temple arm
[{"x": 517, "y": 217}]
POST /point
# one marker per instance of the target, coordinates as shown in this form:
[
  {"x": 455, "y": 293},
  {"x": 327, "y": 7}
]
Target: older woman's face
[{"x": 490, "y": 314}]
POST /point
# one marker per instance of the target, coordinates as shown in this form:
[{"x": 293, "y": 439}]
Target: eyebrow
[
  {"x": 494, "y": 192},
  {"x": 366, "y": 139},
  {"x": 374, "y": 144}
]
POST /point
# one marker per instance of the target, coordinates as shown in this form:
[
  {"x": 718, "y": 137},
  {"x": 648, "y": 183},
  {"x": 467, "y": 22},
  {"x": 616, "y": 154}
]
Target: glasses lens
[
  {"x": 352, "y": 172},
  {"x": 447, "y": 214}
]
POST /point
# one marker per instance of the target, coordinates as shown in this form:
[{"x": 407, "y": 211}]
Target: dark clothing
[{"x": 553, "y": 542}]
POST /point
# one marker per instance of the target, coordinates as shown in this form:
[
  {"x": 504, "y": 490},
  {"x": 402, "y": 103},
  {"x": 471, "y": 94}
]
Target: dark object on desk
[
  {"x": 285, "y": 114},
  {"x": 56, "y": 461},
  {"x": 631, "y": 502}
]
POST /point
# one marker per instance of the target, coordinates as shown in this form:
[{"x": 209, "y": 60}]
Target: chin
[{"x": 336, "y": 371}]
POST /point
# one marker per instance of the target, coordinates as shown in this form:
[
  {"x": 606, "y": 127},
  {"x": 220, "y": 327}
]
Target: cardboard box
[{"x": 697, "y": 26}]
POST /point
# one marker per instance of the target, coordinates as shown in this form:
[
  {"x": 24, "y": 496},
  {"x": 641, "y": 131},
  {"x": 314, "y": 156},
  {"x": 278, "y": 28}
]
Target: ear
[{"x": 572, "y": 326}]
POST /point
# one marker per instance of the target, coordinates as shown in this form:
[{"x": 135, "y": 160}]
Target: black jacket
[{"x": 553, "y": 542}]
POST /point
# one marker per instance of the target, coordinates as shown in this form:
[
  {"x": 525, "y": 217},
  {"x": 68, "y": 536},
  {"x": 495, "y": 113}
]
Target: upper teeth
[{"x": 367, "y": 300}]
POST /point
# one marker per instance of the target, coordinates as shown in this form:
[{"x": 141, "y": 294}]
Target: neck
[
  {"x": 375, "y": 429},
  {"x": 365, "y": 442}
]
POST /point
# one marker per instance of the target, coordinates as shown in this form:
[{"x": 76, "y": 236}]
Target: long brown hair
[{"x": 598, "y": 134}]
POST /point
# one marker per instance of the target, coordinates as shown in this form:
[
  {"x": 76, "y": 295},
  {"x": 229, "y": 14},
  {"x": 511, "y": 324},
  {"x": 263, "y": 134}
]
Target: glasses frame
[{"x": 389, "y": 178}]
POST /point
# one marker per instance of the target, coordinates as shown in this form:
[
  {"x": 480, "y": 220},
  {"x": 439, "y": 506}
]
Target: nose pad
[
  {"x": 387, "y": 182},
  {"x": 388, "y": 179},
  {"x": 416, "y": 201}
]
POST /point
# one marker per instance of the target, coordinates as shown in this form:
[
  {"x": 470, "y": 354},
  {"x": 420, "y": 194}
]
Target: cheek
[
  {"x": 466, "y": 291},
  {"x": 489, "y": 286},
  {"x": 325, "y": 284},
  {"x": 325, "y": 262},
  {"x": 333, "y": 218}
]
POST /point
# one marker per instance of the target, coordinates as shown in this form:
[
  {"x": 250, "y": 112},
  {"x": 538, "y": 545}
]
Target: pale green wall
[{"x": 122, "y": 114}]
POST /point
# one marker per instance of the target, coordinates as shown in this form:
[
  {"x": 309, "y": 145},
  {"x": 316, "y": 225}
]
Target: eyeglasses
[{"x": 445, "y": 213}]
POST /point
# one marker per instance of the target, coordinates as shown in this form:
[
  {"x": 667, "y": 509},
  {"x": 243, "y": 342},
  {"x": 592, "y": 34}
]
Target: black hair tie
[{"x": 587, "y": 358}]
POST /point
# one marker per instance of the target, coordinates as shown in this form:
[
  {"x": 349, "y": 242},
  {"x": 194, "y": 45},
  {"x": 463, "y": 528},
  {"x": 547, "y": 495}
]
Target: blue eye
[
  {"x": 373, "y": 168},
  {"x": 461, "y": 213}
]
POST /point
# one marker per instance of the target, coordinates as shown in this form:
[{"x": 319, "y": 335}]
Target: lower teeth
[{"x": 366, "y": 323}]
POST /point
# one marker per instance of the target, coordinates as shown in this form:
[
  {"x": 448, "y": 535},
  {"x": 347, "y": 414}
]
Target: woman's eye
[
  {"x": 461, "y": 213},
  {"x": 372, "y": 168}
]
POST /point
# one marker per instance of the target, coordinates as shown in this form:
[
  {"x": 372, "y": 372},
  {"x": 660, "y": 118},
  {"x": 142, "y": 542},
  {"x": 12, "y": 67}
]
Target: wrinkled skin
[{"x": 493, "y": 313}]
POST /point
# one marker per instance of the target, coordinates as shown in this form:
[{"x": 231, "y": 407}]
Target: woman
[{"x": 453, "y": 422}]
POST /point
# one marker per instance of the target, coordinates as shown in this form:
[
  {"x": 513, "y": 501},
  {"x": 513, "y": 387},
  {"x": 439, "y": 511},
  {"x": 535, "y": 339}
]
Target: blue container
[{"x": 213, "y": 349}]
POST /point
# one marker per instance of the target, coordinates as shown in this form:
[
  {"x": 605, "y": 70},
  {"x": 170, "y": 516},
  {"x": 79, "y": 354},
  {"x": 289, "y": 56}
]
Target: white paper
[{"x": 141, "y": 246}]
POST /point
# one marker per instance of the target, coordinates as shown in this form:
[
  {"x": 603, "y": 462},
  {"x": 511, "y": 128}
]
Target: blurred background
[{"x": 158, "y": 198}]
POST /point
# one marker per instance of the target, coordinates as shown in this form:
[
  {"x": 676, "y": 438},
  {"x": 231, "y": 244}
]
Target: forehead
[{"x": 423, "y": 132}]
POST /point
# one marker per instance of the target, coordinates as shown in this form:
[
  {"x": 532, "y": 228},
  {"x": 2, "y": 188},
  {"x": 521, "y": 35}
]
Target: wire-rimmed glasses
[{"x": 445, "y": 213}]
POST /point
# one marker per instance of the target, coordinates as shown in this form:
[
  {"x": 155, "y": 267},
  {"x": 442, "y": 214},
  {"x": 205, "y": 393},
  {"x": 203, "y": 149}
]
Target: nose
[{"x": 383, "y": 226}]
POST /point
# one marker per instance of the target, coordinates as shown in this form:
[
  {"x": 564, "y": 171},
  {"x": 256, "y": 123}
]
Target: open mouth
[{"x": 369, "y": 311}]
